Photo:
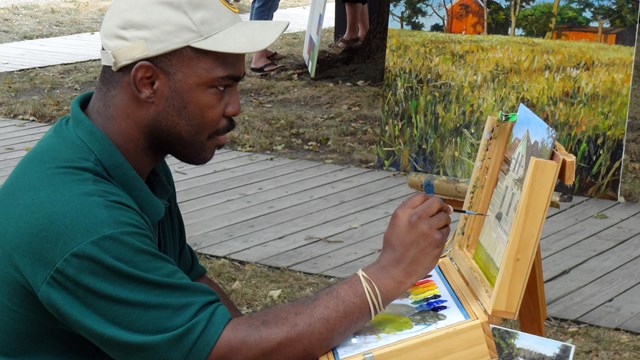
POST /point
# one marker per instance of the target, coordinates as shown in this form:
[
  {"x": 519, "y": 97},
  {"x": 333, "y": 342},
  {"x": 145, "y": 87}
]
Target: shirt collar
[{"x": 151, "y": 198}]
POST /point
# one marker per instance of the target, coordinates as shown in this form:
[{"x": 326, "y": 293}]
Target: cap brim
[{"x": 243, "y": 37}]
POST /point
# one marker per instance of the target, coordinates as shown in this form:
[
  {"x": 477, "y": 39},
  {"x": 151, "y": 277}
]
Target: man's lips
[
  {"x": 219, "y": 135},
  {"x": 229, "y": 126}
]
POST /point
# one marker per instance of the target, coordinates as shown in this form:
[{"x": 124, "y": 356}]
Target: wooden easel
[
  {"x": 518, "y": 291},
  {"x": 533, "y": 310}
]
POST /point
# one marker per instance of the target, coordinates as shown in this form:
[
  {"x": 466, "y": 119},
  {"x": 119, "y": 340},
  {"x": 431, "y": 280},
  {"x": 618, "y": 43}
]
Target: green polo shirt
[{"x": 93, "y": 260}]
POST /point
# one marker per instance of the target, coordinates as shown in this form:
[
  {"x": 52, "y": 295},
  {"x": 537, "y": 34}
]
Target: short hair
[{"x": 109, "y": 80}]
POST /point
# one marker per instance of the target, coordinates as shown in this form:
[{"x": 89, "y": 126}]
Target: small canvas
[
  {"x": 530, "y": 137},
  {"x": 512, "y": 344},
  {"x": 312, "y": 36},
  {"x": 427, "y": 306}
]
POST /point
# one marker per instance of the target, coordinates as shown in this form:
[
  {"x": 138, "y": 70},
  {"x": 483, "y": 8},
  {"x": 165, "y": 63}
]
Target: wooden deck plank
[
  {"x": 216, "y": 197},
  {"x": 20, "y": 139},
  {"x": 351, "y": 267},
  {"x": 18, "y": 153},
  {"x": 592, "y": 247},
  {"x": 277, "y": 197},
  {"x": 363, "y": 210},
  {"x": 632, "y": 324},
  {"x": 574, "y": 214},
  {"x": 9, "y": 125},
  {"x": 616, "y": 312},
  {"x": 201, "y": 186},
  {"x": 51, "y": 51},
  {"x": 334, "y": 250},
  {"x": 620, "y": 274},
  {"x": 282, "y": 205},
  {"x": 575, "y": 233},
  {"x": 12, "y": 132},
  {"x": 234, "y": 161},
  {"x": 564, "y": 206},
  {"x": 269, "y": 233},
  {"x": 23, "y": 146},
  {"x": 338, "y": 249}
]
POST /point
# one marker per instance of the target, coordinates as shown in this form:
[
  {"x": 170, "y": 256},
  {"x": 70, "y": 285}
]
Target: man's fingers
[
  {"x": 440, "y": 220},
  {"x": 433, "y": 206},
  {"x": 416, "y": 200}
]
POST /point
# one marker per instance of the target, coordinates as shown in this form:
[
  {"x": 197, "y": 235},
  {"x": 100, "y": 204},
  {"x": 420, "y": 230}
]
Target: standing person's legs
[
  {"x": 263, "y": 10},
  {"x": 363, "y": 22},
  {"x": 353, "y": 11},
  {"x": 357, "y": 13}
]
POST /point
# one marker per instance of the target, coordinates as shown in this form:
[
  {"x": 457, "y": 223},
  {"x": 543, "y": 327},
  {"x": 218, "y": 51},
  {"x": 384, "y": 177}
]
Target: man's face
[{"x": 200, "y": 101}]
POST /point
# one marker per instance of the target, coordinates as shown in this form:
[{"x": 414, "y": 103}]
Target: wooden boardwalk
[
  {"x": 83, "y": 47},
  {"x": 328, "y": 219}
]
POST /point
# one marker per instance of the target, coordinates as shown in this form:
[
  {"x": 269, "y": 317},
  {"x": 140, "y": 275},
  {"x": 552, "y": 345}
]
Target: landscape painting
[
  {"x": 512, "y": 345},
  {"x": 451, "y": 64},
  {"x": 530, "y": 137}
]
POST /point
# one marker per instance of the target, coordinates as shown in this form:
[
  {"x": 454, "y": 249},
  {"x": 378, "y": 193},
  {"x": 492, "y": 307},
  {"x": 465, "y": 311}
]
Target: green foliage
[
  {"x": 625, "y": 13},
  {"x": 618, "y": 13},
  {"x": 534, "y": 21},
  {"x": 505, "y": 343},
  {"x": 413, "y": 11},
  {"x": 438, "y": 97},
  {"x": 563, "y": 353},
  {"x": 498, "y": 20}
]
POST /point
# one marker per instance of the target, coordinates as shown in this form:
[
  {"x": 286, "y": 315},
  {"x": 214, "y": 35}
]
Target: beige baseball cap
[{"x": 133, "y": 30}]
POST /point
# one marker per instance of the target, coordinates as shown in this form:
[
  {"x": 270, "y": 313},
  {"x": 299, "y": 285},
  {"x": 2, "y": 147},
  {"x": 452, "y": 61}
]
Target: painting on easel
[{"x": 530, "y": 137}]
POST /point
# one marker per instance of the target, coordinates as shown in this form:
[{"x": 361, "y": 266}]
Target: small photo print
[{"x": 517, "y": 345}]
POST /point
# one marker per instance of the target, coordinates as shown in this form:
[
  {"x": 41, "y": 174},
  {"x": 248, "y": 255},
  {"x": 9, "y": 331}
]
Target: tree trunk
[
  {"x": 515, "y": 9},
  {"x": 600, "y": 25},
  {"x": 554, "y": 16},
  {"x": 485, "y": 31}
]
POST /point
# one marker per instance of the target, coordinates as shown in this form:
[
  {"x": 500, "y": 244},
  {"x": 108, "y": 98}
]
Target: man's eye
[{"x": 221, "y": 88}]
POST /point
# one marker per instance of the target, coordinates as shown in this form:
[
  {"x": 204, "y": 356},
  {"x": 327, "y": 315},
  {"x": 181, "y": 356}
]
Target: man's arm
[
  {"x": 310, "y": 327},
  {"x": 235, "y": 312}
]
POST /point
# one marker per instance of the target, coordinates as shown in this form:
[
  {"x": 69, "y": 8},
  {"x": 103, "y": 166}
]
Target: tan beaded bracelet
[{"x": 373, "y": 298}]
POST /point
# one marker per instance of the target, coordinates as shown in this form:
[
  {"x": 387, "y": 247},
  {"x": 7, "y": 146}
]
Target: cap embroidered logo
[{"x": 231, "y": 6}]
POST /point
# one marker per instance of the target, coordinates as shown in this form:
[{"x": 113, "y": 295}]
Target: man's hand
[
  {"x": 310, "y": 327},
  {"x": 414, "y": 240}
]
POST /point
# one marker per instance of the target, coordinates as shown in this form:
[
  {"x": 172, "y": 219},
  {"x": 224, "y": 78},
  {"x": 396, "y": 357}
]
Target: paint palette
[{"x": 428, "y": 305}]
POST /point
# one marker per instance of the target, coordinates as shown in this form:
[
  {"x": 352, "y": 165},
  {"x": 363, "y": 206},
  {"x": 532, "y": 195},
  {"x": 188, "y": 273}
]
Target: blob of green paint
[{"x": 391, "y": 323}]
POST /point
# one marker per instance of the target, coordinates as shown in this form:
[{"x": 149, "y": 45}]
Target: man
[{"x": 92, "y": 244}]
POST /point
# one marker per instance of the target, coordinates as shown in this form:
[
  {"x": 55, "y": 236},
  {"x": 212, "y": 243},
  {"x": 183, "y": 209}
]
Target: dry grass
[{"x": 34, "y": 21}]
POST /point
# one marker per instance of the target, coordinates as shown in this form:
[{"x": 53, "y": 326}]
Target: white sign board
[{"x": 312, "y": 37}]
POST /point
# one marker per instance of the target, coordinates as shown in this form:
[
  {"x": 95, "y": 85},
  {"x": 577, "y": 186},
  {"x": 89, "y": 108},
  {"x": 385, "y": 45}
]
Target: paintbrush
[{"x": 468, "y": 212}]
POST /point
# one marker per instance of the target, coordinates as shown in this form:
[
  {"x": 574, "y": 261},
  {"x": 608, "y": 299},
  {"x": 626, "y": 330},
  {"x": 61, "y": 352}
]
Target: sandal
[
  {"x": 275, "y": 56},
  {"x": 348, "y": 43},
  {"x": 267, "y": 68}
]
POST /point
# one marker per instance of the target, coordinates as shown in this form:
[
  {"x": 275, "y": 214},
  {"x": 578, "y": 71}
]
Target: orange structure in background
[
  {"x": 613, "y": 36},
  {"x": 465, "y": 17}
]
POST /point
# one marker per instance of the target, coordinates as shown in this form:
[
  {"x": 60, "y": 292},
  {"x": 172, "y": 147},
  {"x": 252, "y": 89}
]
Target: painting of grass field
[{"x": 440, "y": 88}]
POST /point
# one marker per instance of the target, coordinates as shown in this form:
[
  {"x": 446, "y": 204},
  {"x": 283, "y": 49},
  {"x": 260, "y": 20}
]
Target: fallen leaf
[{"x": 274, "y": 294}]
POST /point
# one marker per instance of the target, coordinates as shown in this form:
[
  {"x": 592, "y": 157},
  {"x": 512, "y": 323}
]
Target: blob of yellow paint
[{"x": 391, "y": 323}]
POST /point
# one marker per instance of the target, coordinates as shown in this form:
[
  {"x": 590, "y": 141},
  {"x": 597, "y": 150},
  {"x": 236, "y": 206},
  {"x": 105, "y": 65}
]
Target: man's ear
[{"x": 145, "y": 80}]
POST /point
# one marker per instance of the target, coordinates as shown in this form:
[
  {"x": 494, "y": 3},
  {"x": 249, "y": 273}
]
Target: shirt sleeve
[{"x": 132, "y": 301}]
